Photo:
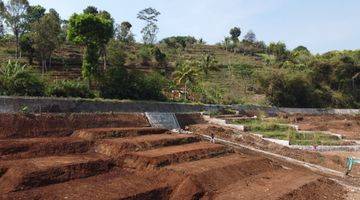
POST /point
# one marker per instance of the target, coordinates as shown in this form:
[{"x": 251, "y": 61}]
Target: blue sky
[{"x": 320, "y": 25}]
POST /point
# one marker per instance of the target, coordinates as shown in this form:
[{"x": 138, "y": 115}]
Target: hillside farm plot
[{"x": 134, "y": 161}]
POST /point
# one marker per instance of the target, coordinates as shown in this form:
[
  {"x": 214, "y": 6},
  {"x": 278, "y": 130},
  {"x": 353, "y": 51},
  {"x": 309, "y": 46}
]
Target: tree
[
  {"x": 26, "y": 46},
  {"x": 250, "y": 37},
  {"x": 160, "y": 57},
  {"x": 185, "y": 74},
  {"x": 34, "y": 13},
  {"x": 91, "y": 10},
  {"x": 116, "y": 53},
  {"x": 45, "y": 36},
  {"x": 279, "y": 50},
  {"x": 93, "y": 31},
  {"x": 208, "y": 63},
  {"x": 235, "y": 34},
  {"x": 301, "y": 48},
  {"x": 149, "y": 32},
  {"x": 14, "y": 12},
  {"x": 124, "y": 34}
]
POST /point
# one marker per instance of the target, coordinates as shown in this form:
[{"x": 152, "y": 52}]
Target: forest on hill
[{"x": 90, "y": 55}]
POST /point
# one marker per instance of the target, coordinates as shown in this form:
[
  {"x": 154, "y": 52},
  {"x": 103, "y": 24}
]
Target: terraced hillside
[{"x": 124, "y": 159}]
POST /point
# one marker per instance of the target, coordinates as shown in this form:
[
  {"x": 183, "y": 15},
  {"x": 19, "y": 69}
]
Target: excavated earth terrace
[{"x": 119, "y": 156}]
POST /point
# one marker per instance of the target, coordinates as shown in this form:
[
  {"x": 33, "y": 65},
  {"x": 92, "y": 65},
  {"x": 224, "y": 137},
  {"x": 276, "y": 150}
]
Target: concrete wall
[{"x": 69, "y": 105}]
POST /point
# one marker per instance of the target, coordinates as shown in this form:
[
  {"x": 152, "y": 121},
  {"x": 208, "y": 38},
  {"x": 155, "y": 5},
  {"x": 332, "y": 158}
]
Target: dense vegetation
[{"x": 178, "y": 68}]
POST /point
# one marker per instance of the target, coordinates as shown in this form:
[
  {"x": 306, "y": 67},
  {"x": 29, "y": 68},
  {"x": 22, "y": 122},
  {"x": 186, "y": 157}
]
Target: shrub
[
  {"x": 120, "y": 84},
  {"x": 66, "y": 88},
  {"x": 115, "y": 84},
  {"x": 160, "y": 57},
  {"x": 116, "y": 54},
  {"x": 145, "y": 54},
  {"x": 17, "y": 79}
]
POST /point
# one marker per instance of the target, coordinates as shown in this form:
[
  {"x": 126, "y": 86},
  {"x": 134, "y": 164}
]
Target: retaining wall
[{"x": 74, "y": 105}]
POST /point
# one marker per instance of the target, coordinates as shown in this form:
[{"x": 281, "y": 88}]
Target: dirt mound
[
  {"x": 59, "y": 125},
  {"x": 321, "y": 189}
]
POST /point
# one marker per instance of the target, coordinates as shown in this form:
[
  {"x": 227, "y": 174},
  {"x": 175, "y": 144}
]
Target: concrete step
[
  {"x": 36, "y": 172},
  {"x": 119, "y": 146},
  {"x": 37, "y": 147},
  {"x": 174, "y": 154},
  {"x": 103, "y": 133}
]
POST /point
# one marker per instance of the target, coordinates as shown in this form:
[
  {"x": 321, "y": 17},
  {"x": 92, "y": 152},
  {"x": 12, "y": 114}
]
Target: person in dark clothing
[{"x": 212, "y": 140}]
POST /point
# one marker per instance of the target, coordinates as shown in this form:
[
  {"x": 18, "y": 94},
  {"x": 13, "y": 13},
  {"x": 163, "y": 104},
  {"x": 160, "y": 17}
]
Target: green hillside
[{"x": 70, "y": 58}]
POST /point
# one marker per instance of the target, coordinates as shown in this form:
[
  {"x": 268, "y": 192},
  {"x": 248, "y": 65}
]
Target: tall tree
[
  {"x": 45, "y": 35},
  {"x": 250, "y": 37},
  {"x": 14, "y": 12},
  {"x": 34, "y": 14},
  {"x": 235, "y": 34},
  {"x": 124, "y": 34},
  {"x": 93, "y": 31},
  {"x": 149, "y": 32}
]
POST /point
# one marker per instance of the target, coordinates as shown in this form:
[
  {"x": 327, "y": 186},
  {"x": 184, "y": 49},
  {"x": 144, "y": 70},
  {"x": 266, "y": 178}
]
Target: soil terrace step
[
  {"x": 270, "y": 186},
  {"x": 174, "y": 154},
  {"x": 30, "y": 173},
  {"x": 216, "y": 173},
  {"x": 121, "y": 185},
  {"x": 37, "y": 147},
  {"x": 103, "y": 133},
  {"x": 120, "y": 146}
]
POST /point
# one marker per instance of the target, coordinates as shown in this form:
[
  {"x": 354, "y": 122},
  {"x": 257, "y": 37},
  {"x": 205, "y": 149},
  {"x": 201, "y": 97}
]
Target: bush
[
  {"x": 120, "y": 84},
  {"x": 145, "y": 54},
  {"x": 68, "y": 88},
  {"x": 17, "y": 79},
  {"x": 116, "y": 53},
  {"x": 115, "y": 84}
]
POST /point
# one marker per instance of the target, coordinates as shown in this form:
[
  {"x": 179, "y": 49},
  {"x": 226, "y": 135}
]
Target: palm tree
[{"x": 185, "y": 75}]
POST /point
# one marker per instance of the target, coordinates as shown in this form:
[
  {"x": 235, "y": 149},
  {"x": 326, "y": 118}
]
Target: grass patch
[
  {"x": 316, "y": 138},
  {"x": 271, "y": 129}
]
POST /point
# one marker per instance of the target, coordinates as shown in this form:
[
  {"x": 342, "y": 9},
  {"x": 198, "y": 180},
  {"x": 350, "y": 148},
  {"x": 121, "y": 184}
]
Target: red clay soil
[
  {"x": 175, "y": 154},
  {"x": 156, "y": 165},
  {"x": 58, "y": 125},
  {"x": 120, "y": 146},
  {"x": 331, "y": 161},
  {"x": 38, "y": 147},
  {"x": 321, "y": 189},
  {"x": 348, "y": 126},
  {"x": 30, "y": 173},
  {"x": 118, "y": 184},
  {"x": 103, "y": 133}
]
